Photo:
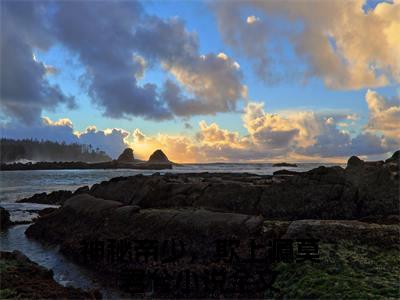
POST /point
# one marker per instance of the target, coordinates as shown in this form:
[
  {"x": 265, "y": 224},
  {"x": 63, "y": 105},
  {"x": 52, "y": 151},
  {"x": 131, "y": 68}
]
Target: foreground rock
[
  {"x": 23, "y": 279},
  {"x": 346, "y": 270},
  {"x": 4, "y": 218},
  {"x": 347, "y": 210},
  {"x": 84, "y": 218},
  {"x": 363, "y": 189},
  {"x": 331, "y": 231}
]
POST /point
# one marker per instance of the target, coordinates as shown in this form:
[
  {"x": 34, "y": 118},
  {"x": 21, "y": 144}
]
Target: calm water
[
  {"x": 65, "y": 271},
  {"x": 15, "y": 185}
]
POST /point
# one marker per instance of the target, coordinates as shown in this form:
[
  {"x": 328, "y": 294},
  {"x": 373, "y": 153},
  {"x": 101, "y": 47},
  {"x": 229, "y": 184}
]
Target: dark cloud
[
  {"x": 102, "y": 34},
  {"x": 24, "y": 89},
  {"x": 115, "y": 41},
  {"x": 213, "y": 81}
]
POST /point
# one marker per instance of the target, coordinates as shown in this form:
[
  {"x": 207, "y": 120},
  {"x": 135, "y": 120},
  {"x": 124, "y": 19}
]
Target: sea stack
[
  {"x": 126, "y": 156},
  {"x": 158, "y": 157}
]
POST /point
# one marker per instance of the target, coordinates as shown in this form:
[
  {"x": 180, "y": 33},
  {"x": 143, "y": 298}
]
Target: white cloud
[
  {"x": 112, "y": 141},
  {"x": 338, "y": 42},
  {"x": 293, "y": 135},
  {"x": 252, "y": 19},
  {"x": 384, "y": 115}
]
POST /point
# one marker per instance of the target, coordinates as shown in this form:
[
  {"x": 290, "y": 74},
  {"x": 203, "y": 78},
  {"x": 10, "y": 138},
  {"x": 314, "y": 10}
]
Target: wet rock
[
  {"x": 91, "y": 218},
  {"x": 385, "y": 220},
  {"x": 53, "y": 198},
  {"x": 285, "y": 172},
  {"x": 4, "y": 218},
  {"x": 23, "y": 279},
  {"x": 46, "y": 211},
  {"x": 85, "y": 204},
  {"x": 395, "y": 158},
  {"x": 334, "y": 230},
  {"x": 320, "y": 193},
  {"x": 82, "y": 190},
  {"x": 377, "y": 186}
]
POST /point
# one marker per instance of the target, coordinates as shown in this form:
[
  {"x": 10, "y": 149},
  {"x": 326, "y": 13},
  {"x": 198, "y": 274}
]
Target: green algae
[{"x": 345, "y": 271}]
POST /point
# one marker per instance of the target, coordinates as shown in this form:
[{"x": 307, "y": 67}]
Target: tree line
[{"x": 35, "y": 150}]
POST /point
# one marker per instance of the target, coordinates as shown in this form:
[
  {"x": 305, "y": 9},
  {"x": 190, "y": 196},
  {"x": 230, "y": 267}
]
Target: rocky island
[
  {"x": 352, "y": 213},
  {"x": 157, "y": 161},
  {"x": 284, "y": 164}
]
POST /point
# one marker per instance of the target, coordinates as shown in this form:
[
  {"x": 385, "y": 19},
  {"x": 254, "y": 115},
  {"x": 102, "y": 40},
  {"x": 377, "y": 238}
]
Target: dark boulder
[
  {"x": 285, "y": 172},
  {"x": 126, "y": 156},
  {"x": 354, "y": 161},
  {"x": 53, "y": 198},
  {"x": 394, "y": 159},
  {"x": 82, "y": 190},
  {"x": 4, "y": 218},
  {"x": 46, "y": 211}
]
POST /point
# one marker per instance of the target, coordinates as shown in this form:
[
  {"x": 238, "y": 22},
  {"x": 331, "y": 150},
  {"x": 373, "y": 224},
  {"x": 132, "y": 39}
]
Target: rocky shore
[
  {"x": 353, "y": 213},
  {"x": 23, "y": 279}
]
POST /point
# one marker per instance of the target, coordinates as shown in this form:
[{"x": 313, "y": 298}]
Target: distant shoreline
[{"x": 83, "y": 166}]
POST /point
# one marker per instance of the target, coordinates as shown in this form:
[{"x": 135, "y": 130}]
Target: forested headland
[{"x": 34, "y": 150}]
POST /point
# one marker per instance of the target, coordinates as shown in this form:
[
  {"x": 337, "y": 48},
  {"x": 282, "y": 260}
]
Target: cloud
[
  {"x": 204, "y": 84},
  {"x": 112, "y": 31},
  {"x": 384, "y": 115},
  {"x": 293, "y": 135},
  {"x": 115, "y": 42},
  {"x": 101, "y": 33},
  {"x": 24, "y": 90},
  {"x": 138, "y": 136},
  {"x": 341, "y": 44},
  {"x": 112, "y": 141},
  {"x": 289, "y": 135},
  {"x": 252, "y": 19},
  {"x": 240, "y": 33}
]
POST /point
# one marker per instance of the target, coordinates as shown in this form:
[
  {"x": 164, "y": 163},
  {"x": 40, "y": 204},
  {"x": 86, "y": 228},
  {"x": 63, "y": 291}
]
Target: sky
[{"x": 205, "y": 81}]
